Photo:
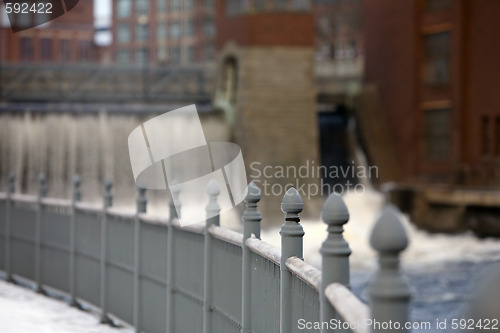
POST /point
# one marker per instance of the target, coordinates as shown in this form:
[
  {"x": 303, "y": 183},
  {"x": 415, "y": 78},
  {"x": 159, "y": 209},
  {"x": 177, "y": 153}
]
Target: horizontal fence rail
[{"x": 160, "y": 277}]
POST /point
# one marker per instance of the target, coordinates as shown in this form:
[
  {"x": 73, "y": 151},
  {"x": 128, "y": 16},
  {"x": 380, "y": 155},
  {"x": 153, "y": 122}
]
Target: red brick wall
[
  {"x": 394, "y": 32},
  {"x": 264, "y": 28},
  {"x": 390, "y": 50}
]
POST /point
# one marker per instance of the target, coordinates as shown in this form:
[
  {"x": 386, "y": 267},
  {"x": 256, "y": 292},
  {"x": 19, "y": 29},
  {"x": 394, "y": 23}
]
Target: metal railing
[{"x": 160, "y": 277}]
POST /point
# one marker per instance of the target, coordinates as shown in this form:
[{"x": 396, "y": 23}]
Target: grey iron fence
[{"x": 159, "y": 277}]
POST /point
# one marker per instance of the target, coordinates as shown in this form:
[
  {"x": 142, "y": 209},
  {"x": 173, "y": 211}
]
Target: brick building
[
  {"x": 66, "y": 39},
  {"x": 432, "y": 68},
  {"x": 172, "y": 32}
]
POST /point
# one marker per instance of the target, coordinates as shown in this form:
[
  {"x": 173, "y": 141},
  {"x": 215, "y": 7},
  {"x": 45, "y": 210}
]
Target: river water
[{"x": 442, "y": 269}]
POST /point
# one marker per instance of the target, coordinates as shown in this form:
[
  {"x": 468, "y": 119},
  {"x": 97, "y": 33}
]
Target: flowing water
[
  {"x": 442, "y": 269},
  {"x": 91, "y": 145}
]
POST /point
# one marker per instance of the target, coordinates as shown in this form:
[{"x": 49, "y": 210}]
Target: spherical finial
[
  {"x": 213, "y": 188},
  {"x": 292, "y": 202},
  {"x": 388, "y": 234},
  {"x": 252, "y": 193},
  {"x": 334, "y": 211}
]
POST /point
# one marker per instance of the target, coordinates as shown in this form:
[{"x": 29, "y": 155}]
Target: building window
[
  {"x": 280, "y": 4},
  {"x": 189, "y": 27},
  {"x": 175, "y": 29},
  {"x": 161, "y": 54},
  {"x": 46, "y": 49},
  {"x": 123, "y": 8},
  {"x": 188, "y": 5},
  {"x": 437, "y": 134},
  {"x": 123, "y": 33},
  {"x": 84, "y": 50},
  {"x": 208, "y": 51},
  {"x": 300, "y": 4},
  {"x": 142, "y": 7},
  {"x": 234, "y": 7},
  {"x": 142, "y": 32},
  {"x": 175, "y": 55},
  {"x": 26, "y": 49},
  {"x": 161, "y": 6},
  {"x": 209, "y": 27},
  {"x": 437, "y": 59},
  {"x": 209, "y": 4},
  {"x": 161, "y": 32},
  {"x": 22, "y": 20},
  {"x": 41, "y": 18},
  {"x": 65, "y": 50},
  {"x": 486, "y": 135},
  {"x": 175, "y": 5},
  {"x": 123, "y": 56},
  {"x": 191, "y": 55},
  {"x": 142, "y": 56},
  {"x": 259, "y": 5},
  {"x": 436, "y": 5}
]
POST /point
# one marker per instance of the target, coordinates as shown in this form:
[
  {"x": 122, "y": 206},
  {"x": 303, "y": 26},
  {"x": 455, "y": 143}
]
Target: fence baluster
[
  {"x": 107, "y": 202},
  {"x": 291, "y": 245},
  {"x": 10, "y": 191},
  {"x": 335, "y": 254},
  {"x": 213, "y": 209},
  {"x": 251, "y": 225},
  {"x": 175, "y": 190},
  {"x": 77, "y": 196},
  {"x": 42, "y": 192},
  {"x": 141, "y": 208},
  {"x": 389, "y": 291}
]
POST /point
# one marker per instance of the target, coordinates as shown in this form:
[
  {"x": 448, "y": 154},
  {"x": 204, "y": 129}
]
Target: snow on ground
[{"x": 24, "y": 311}]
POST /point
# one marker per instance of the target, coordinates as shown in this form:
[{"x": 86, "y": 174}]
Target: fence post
[
  {"x": 77, "y": 196},
  {"x": 42, "y": 192},
  {"x": 291, "y": 245},
  {"x": 107, "y": 202},
  {"x": 251, "y": 225},
  {"x": 335, "y": 254},
  {"x": 10, "y": 191},
  {"x": 389, "y": 291},
  {"x": 175, "y": 190},
  {"x": 141, "y": 203},
  {"x": 213, "y": 209}
]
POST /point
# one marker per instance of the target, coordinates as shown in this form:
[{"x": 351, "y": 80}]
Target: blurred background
[{"x": 407, "y": 87}]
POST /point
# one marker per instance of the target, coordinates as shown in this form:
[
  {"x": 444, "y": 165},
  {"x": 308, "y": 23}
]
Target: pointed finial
[
  {"x": 77, "y": 194},
  {"x": 42, "y": 185},
  {"x": 12, "y": 183},
  {"x": 175, "y": 204},
  {"x": 252, "y": 193},
  {"x": 108, "y": 196},
  {"x": 292, "y": 205},
  {"x": 141, "y": 201},
  {"x": 334, "y": 211},
  {"x": 251, "y": 216},
  {"x": 388, "y": 234}
]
